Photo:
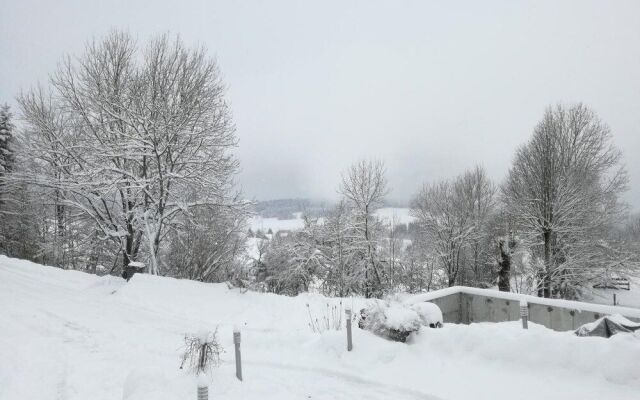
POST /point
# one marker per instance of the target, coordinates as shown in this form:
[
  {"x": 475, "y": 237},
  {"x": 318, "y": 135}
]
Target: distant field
[{"x": 387, "y": 215}]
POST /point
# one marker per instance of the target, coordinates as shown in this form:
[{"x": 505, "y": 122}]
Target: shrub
[
  {"x": 202, "y": 352},
  {"x": 396, "y": 321}
]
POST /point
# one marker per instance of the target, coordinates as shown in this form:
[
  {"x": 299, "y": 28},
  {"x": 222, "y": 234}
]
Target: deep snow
[{"x": 70, "y": 335}]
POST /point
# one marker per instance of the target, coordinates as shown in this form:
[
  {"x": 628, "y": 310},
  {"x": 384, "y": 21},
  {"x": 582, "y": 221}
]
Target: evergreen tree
[
  {"x": 7, "y": 159},
  {"x": 7, "y": 156}
]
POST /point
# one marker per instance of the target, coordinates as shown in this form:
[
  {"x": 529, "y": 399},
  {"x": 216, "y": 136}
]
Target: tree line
[
  {"x": 555, "y": 227},
  {"x": 126, "y": 155}
]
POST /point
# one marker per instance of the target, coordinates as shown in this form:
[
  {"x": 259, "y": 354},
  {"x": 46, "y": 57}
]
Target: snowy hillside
[
  {"x": 396, "y": 215},
  {"x": 70, "y": 335},
  {"x": 387, "y": 215},
  {"x": 263, "y": 224}
]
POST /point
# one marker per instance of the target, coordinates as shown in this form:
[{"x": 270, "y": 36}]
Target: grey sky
[{"x": 431, "y": 88}]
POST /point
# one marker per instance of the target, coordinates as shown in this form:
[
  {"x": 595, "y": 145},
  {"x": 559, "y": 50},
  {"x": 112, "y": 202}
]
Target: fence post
[
  {"x": 236, "y": 342},
  {"x": 347, "y": 311},
  {"x": 524, "y": 313}
]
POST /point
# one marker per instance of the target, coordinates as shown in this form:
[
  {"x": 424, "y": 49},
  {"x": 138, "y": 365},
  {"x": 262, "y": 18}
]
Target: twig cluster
[
  {"x": 201, "y": 352},
  {"x": 330, "y": 318}
]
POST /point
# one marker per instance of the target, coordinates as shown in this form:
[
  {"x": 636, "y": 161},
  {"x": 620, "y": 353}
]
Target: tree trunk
[
  {"x": 546, "y": 275},
  {"x": 504, "y": 274}
]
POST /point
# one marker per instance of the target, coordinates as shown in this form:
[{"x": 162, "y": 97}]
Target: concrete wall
[
  {"x": 450, "y": 307},
  {"x": 489, "y": 309},
  {"x": 467, "y": 308}
]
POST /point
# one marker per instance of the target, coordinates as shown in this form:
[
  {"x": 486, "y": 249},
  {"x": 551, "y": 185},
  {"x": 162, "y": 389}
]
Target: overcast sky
[{"x": 430, "y": 88}]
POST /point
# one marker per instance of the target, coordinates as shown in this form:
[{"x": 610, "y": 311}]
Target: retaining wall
[{"x": 467, "y": 305}]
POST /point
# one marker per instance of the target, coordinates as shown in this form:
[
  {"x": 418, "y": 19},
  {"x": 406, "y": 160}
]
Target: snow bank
[{"x": 75, "y": 336}]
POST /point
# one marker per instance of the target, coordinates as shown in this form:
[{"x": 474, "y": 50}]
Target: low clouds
[{"x": 431, "y": 89}]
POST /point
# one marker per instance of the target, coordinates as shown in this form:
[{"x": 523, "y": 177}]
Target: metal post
[
  {"x": 615, "y": 303},
  {"x": 236, "y": 342},
  {"x": 349, "y": 339},
  {"x": 203, "y": 392},
  {"x": 524, "y": 313}
]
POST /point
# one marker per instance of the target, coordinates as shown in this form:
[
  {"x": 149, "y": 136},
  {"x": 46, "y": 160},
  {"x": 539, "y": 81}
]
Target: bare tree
[
  {"x": 293, "y": 261},
  {"x": 478, "y": 199},
  {"x": 128, "y": 137},
  {"x": 339, "y": 277},
  {"x": 453, "y": 217},
  {"x": 364, "y": 187},
  {"x": 563, "y": 189},
  {"x": 444, "y": 222},
  {"x": 207, "y": 244},
  {"x": 633, "y": 230}
]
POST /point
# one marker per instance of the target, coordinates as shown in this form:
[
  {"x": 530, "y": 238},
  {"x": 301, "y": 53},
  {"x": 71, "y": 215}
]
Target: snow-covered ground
[
  {"x": 398, "y": 215},
  {"x": 386, "y": 214},
  {"x": 70, "y": 335},
  {"x": 258, "y": 223},
  {"x": 627, "y": 298}
]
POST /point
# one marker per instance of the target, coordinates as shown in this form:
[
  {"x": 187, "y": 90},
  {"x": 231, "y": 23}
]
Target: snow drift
[{"x": 70, "y": 335}]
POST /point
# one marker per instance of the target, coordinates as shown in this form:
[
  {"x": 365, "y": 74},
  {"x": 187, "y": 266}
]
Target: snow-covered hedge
[
  {"x": 430, "y": 314},
  {"x": 396, "y": 320}
]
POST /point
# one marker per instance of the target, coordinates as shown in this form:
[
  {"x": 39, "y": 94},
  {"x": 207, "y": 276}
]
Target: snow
[
  {"x": 396, "y": 316},
  {"x": 253, "y": 247},
  {"x": 70, "y": 335},
  {"x": 401, "y": 215},
  {"x": 259, "y": 223},
  {"x": 627, "y": 298},
  {"x": 617, "y": 318},
  {"x": 385, "y": 214},
  {"x": 576, "y": 305},
  {"x": 429, "y": 313}
]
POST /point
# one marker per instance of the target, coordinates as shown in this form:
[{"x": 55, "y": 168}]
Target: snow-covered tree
[
  {"x": 452, "y": 216},
  {"x": 478, "y": 194},
  {"x": 7, "y": 161},
  {"x": 207, "y": 244},
  {"x": 392, "y": 254},
  {"x": 563, "y": 191},
  {"x": 126, "y": 137},
  {"x": 338, "y": 276},
  {"x": 293, "y": 262},
  {"x": 7, "y": 152},
  {"x": 364, "y": 188}
]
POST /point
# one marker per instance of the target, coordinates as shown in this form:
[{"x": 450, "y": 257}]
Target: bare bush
[
  {"x": 330, "y": 318},
  {"x": 201, "y": 352}
]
